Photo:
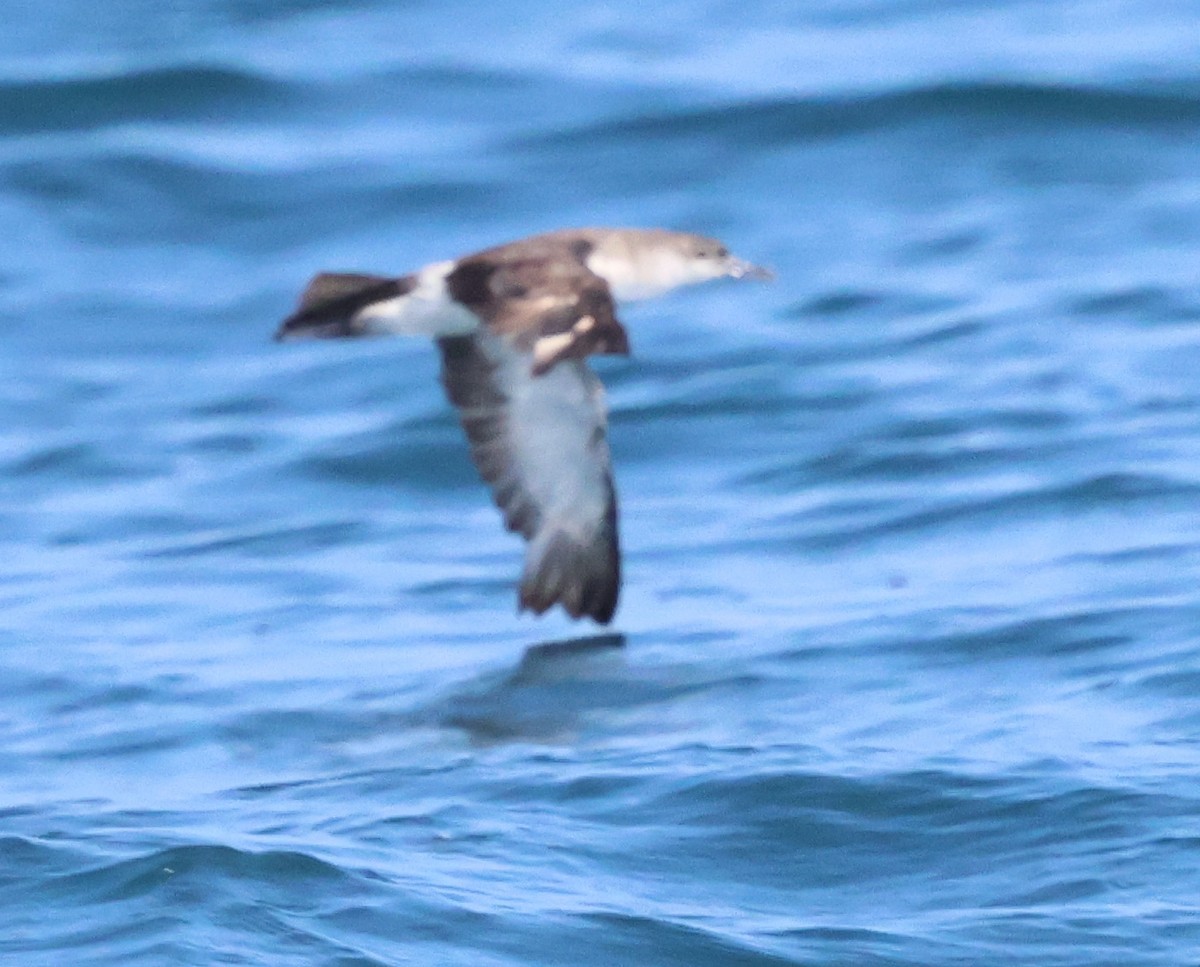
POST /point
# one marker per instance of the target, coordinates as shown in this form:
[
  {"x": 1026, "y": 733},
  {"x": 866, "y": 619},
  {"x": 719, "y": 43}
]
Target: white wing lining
[{"x": 539, "y": 441}]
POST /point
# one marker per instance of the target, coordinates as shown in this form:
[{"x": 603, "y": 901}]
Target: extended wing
[
  {"x": 535, "y": 417},
  {"x": 539, "y": 442}
]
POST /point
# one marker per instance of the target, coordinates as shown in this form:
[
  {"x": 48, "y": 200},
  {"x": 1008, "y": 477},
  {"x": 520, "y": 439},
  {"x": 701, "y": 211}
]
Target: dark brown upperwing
[{"x": 528, "y": 292}]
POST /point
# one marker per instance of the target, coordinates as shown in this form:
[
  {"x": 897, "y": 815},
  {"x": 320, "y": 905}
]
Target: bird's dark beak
[{"x": 741, "y": 269}]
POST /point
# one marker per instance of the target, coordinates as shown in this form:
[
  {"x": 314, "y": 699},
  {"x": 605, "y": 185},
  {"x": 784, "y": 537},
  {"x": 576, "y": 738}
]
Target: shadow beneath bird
[
  {"x": 553, "y": 658},
  {"x": 558, "y": 691}
]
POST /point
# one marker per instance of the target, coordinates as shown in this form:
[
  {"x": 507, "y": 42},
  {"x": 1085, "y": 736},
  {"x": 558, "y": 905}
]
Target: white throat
[{"x": 631, "y": 278}]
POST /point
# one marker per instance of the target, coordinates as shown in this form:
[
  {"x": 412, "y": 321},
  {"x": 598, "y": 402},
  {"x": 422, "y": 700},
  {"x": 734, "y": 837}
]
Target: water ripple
[
  {"x": 176, "y": 93},
  {"x": 780, "y": 121},
  {"x": 905, "y": 666}
]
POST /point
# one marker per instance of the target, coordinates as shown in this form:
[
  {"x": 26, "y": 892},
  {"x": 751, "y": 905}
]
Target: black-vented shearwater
[{"x": 515, "y": 325}]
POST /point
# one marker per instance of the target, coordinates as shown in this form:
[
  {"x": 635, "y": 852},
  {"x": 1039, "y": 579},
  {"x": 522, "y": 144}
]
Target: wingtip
[
  {"x": 584, "y": 579},
  {"x": 601, "y": 612}
]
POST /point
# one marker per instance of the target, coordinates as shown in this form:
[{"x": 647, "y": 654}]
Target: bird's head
[{"x": 641, "y": 263}]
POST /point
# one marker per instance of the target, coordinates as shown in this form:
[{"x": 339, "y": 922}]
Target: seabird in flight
[{"x": 515, "y": 325}]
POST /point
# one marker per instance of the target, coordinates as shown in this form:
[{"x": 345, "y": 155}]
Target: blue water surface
[{"x": 907, "y": 662}]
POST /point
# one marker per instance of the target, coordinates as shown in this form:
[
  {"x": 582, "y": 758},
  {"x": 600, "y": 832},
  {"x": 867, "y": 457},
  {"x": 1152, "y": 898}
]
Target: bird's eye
[{"x": 722, "y": 252}]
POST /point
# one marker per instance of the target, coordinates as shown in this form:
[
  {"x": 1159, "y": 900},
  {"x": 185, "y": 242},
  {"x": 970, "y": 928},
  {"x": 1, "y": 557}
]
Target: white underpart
[{"x": 426, "y": 311}]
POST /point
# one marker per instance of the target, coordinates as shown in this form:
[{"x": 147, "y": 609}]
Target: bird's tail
[{"x": 331, "y": 307}]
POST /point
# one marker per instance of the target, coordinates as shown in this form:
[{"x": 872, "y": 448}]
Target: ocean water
[{"x": 907, "y": 665}]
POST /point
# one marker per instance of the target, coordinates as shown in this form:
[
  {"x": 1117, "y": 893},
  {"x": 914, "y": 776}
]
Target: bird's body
[{"x": 515, "y": 324}]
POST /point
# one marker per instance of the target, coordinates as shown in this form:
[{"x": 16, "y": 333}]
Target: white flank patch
[{"x": 426, "y": 311}]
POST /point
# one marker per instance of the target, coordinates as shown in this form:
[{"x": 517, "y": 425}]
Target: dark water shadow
[
  {"x": 557, "y": 657},
  {"x": 546, "y": 695},
  {"x": 558, "y": 690}
]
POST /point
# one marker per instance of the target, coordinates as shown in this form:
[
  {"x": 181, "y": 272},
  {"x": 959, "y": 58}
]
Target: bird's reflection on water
[
  {"x": 568, "y": 657},
  {"x": 559, "y": 689},
  {"x": 549, "y": 692}
]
